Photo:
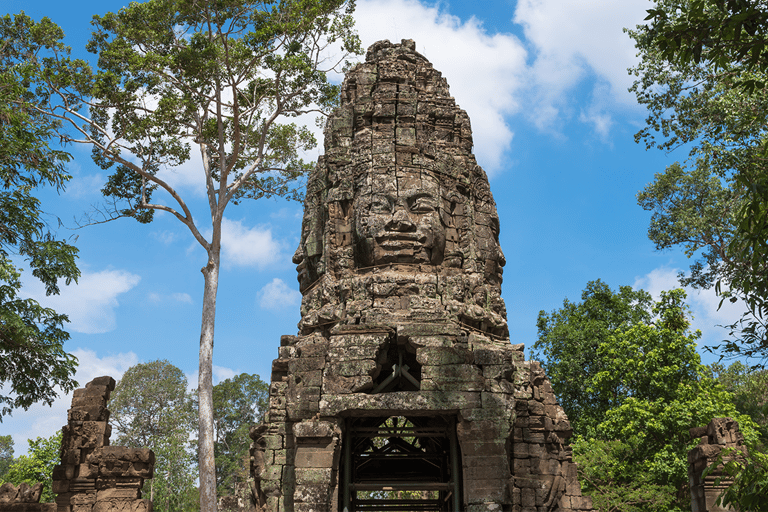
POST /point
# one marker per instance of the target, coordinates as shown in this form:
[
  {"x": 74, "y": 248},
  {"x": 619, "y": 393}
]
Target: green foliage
[
  {"x": 702, "y": 77},
  {"x": 568, "y": 344},
  {"x": 608, "y": 475},
  {"x": 220, "y": 74},
  {"x": 6, "y": 454},
  {"x": 644, "y": 389},
  {"x": 750, "y": 485},
  {"x": 238, "y": 403},
  {"x": 172, "y": 74},
  {"x": 37, "y": 466},
  {"x": 32, "y": 360},
  {"x": 693, "y": 209},
  {"x": 148, "y": 402},
  {"x": 172, "y": 487},
  {"x": 658, "y": 429},
  {"x": 719, "y": 33},
  {"x": 749, "y": 387},
  {"x": 152, "y": 407}
]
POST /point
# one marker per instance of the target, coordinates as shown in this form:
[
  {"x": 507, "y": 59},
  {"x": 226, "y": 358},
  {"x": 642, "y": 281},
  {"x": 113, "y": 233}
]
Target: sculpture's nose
[
  {"x": 298, "y": 256},
  {"x": 400, "y": 221}
]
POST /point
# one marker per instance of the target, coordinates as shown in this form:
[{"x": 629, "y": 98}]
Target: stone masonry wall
[
  {"x": 719, "y": 434},
  {"x": 24, "y": 498},
  {"x": 512, "y": 434},
  {"x": 93, "y": 476}
]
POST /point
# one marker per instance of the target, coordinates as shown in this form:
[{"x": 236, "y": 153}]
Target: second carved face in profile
[{"x": 398, "y": 221}]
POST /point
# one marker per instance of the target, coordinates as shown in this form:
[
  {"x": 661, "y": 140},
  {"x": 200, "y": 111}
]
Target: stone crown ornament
[{"x": 399, "y": 219}]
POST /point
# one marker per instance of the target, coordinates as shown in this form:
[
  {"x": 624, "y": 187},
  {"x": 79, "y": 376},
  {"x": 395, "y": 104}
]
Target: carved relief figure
[{"x": 400, "y": 223}]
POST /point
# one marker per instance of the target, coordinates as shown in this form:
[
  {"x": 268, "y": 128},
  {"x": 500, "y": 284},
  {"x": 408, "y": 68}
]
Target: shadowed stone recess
[{"x": 402, "y": 378}]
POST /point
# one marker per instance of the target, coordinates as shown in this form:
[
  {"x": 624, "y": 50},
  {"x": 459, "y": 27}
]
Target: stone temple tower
[{"x": 401, "y": 390}]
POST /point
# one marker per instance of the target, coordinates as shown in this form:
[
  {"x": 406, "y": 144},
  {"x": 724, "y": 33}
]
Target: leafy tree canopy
[
  {"x": 749, "y": 387},
  {"x": 148, "y": 402},
  {"x": 719, "y": 33},
  {"x": 238, "y": 403},
  {"x": 6, "y": 454},
  {"x": 568, "y": 343},
  {"x": 603, "y": 469},
  {"x": 701, "y": 76},
  {"x": 37, "y": 466},
  {"x": 173, "y": 487},
  {"x": 152, "y": 407},
  {"x": 750, "y": 485},
  {"x": 32, "y": 359},
  {"x": 642, "y": 386}
]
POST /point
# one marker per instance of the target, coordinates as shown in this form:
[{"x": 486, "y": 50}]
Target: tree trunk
[{"x": 205, "y": 384}]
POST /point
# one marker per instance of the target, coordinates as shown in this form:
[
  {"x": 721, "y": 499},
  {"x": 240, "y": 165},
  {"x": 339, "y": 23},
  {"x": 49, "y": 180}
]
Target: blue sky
[{"x": 545, "y": 85}]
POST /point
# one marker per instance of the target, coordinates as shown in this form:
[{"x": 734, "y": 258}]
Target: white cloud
[
  {"x": 246, "y": 246},
  {"x": 157, "y": 298},
  {"x": 571, "y": 39},
  {"x": 220, "y": 373},
  {"x": 182, "y": 297},
  {"x": 598, "y": 112},
  {"x": 82, "y": 186},
  {"x": 708, "y": 314},
  {"x": 91, "y": 303},
  {"x": 485, "y": 71},
  {"x": 165, "y": 237},
  {"x": 658, "y": 280},
  {"x": 276, "y": 296},
  {"x": 43, "y": 421}
]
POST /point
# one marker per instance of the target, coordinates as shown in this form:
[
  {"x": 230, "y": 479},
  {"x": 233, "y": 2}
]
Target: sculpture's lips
[
  {"x": 400, "y": 238},
  {"x": 301, "y": 271}
]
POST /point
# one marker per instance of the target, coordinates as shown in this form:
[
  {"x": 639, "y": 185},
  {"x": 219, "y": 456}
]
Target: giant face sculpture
[{"x": 399, "y": 221}]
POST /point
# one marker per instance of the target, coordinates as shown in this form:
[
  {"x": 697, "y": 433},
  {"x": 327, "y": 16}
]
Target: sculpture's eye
[
  {"x": 423, "y": 204},
  {"x": 381, "y": 204}
]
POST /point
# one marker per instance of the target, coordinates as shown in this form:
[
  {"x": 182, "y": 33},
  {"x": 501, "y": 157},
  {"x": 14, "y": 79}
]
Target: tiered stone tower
[{"x": 402, "y": 390}]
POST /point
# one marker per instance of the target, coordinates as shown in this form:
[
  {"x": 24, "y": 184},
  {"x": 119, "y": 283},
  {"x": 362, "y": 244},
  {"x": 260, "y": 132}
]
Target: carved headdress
[{"x": 399, "y": 221}]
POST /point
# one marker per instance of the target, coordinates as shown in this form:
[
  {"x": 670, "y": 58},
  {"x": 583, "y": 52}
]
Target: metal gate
[{"x": 403, "y": 464}]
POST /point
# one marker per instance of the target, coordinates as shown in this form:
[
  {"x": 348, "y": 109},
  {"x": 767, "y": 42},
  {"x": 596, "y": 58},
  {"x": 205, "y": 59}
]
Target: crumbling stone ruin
[
  {"x": 720, "y": 434},
  {"x": 93, "y": 476},
  {"x": 240, "y": 501},
  {"x": 24, "y": 498},
  {"x": 401, "y": 390}
]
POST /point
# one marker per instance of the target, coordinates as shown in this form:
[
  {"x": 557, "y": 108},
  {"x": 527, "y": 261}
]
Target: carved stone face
[
  {"x": 301, "y": 268},
  {"x": 399, "y": 221}
]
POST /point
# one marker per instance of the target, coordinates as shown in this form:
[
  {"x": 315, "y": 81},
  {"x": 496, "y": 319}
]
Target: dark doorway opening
[
  {"x": 401, "y": 464},
  {"x": 400, "y": 372}
]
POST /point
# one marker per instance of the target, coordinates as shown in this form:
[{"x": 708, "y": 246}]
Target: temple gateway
[{"x": 401, "y": 390}]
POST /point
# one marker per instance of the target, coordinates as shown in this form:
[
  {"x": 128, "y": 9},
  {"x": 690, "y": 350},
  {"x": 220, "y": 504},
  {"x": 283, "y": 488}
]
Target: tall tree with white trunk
[{"x": 220, "y": 77}]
